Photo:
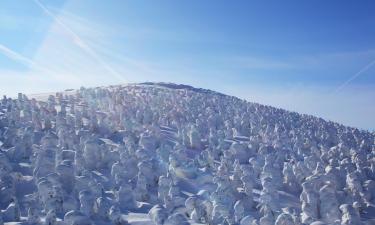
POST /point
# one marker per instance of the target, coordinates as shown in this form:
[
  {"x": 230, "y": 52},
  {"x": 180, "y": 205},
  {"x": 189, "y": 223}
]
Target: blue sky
[{"x": 314, "y": 57}]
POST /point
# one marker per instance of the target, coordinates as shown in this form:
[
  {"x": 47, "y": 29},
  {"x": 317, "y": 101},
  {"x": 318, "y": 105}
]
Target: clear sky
[{"x": 314, "y": 57}]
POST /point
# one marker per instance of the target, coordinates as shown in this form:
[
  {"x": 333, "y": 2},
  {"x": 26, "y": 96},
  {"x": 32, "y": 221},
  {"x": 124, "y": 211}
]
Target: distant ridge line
[{"x": 181, "y": 86}]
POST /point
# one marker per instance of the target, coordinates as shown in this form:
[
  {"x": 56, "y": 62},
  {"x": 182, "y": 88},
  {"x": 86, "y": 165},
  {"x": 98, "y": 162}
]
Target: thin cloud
[
  {"x": 81, "y": 43},
  {"x": 95, "y": 36},
  {"x": 263, "y": 63}
]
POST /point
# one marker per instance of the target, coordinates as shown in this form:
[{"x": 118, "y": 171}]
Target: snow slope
[{"x": 161, "y": 153}]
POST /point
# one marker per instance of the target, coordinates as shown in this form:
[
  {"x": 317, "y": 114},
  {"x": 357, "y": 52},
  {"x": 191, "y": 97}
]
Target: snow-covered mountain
[{"x": 160, "y": 153}]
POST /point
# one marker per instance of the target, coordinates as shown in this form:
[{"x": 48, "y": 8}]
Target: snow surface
[{"x": 161, "y": 153}]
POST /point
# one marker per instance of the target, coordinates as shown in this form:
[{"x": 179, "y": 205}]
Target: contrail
[
  {"x": 364, "y": 69},
  {"x": 81, "y": 43},
  {"x": 16, "y": 56},
  {"x": 22, "y": 59}
]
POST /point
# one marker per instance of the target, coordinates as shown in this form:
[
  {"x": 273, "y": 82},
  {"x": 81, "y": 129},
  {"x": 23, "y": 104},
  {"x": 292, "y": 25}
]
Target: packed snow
[{"x": 167, "y": 154}]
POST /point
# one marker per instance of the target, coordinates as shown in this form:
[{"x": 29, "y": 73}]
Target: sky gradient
[{"x": 313, "y": 57}]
